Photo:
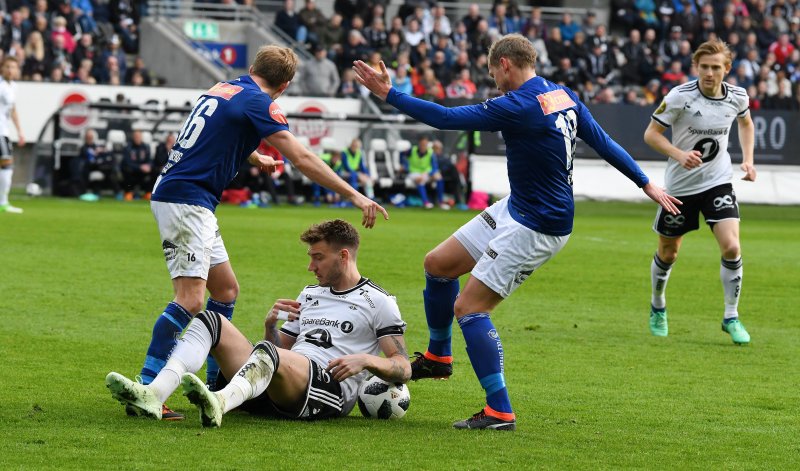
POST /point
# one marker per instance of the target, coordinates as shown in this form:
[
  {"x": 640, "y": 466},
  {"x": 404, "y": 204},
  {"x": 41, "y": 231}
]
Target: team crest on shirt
[
  {"x": 662, "y": 107},
  {"x": 276, "y": 113},
  {"x": 556, "y": 100},
  {"x": 224, "y": 90}
]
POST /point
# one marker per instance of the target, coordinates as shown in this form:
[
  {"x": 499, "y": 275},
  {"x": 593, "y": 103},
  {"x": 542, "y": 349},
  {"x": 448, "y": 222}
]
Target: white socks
[
  {"x": 5, "y": 184},
  {"x": 250, "y": 381},
  {"x": 659, "y": 275},
  {"x": 188, "y": 357},
  {"x": 730, "y": 273}
]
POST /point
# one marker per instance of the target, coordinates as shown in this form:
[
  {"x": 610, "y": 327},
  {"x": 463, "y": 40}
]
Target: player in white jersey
[
  {"x": 699, "y": 173},
  {"x": 311, "y": 368},
  {"x": 9, "y": 70}
]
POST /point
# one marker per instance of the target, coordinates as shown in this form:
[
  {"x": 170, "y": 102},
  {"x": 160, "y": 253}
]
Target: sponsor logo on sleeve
[
  {"x": 662, "y": 107},
  {"x": 276, "y": 113},
  {"x": 223, "y": 90},
  {"x": 556, "y": 100}
]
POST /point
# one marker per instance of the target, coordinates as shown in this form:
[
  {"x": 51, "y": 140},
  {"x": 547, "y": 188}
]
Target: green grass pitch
[{"x": 81, "y": 285}]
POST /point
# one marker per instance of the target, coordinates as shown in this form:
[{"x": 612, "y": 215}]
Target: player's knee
[
  {"x": 227, "y": 293},
  {"x": 461, "y": 309},
  {"x": 193, "y": 306},
  {"x": 435, "y": 264},
  {"x": 731, "y": 251}
]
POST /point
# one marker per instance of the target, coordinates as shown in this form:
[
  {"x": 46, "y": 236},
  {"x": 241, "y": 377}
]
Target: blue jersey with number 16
[{"x": 224, "y": 128}]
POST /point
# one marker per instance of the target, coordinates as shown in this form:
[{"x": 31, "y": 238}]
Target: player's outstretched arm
[
  {"x": 394, "y": 368},
  {"x": 314, "y": 168},
  {"x": 747, "y": 137},
  {"x": 664, "y": 199}
]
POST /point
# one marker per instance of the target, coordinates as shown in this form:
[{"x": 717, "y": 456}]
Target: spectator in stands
[
  {"x": 138, "y": 69},
  {"x": 320, "y": 77},
  {"x": 461, "y": 62},
  {"x": 433, "y": 88},
  {"x": 289, "y": 22},
  {"x": 578, "y": 51},
  {"x": 452, "y": 179},
  {"x": 441, "y": 23},
  {"x": 94, "y": 169},
  {"x": 395, "y": 45},
  {"x": 349, "y": 88},
  {"x": 412, "y": 34},
  {"x": 59, "y": 56},
  {"x": 64, "y": 10},
  {"x": 481, "y": 40},
  {"x": 331, "y": 156},
  {"x": 674, "y": 76},
  {"x": 634, "y": 52},
  {"x": 556, "y": 49},
  {"x": 568, "y": 27},
  {"x": 782, "y": 100},
  {"x": 85, "y": 49},
  {"x": 113, "y": 49},
  {"x": 441, "y": 68},
  {"x": 60, "y": 31},
  {"x": 136, "y": 166},
  {"x": 354, "y": 49},
  {"x": 124, "y": 16},
  {"x": 500, "y": 23},
  {"x": 424, "y": 19},
  {"x": 57, "y": 75},
  {"x": 313, "y": 20},
  {"x": 423, "y": 168},
  {"x": 354, "y": 168},
  {"x": 462, "y": 86},
  {"x": 331, "y": 36},
  {"x": 375, "y": 34},
  {"x": 110, "y": 74},
  {"x": 568, "y": 75},
  {"x": 471, "y": 20},
  {"x": 263, "y": 186},
  {"x": 401, "y": 81},
  {"x": 16, "y": 32},
  {"x": 357, "y": 24},
  {"x": 782, "y": 48},
  {"x": 535, "y": 19},
  {"x": 479, "y": 73},
  {"x": 397, "y": 26},
  {"x": 84, "y": 13},
  {"x": 652, "y": 93},
  {"x": 601, "y": 66},
  {"x": 83, "y": 74},
  {"x": 631, "y": 97},
  {"x": 37, "y": 60}
]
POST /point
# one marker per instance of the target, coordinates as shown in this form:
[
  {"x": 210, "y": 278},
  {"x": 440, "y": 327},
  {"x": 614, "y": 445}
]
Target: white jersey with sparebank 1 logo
[
  {"x": 333, "y": 324},
  {"x": 703, "y": 124},
  {"x": 8, "y": 96}
]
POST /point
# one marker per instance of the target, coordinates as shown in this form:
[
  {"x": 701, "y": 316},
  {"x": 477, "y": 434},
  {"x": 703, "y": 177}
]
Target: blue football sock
[
  {"x": 440, "y": 191},
  {"x": 226, "y": 309},
  {"x": 423, "y": 193},
  {"x": 167, "y": 329},
  {"x": 486, "y": 354},
  {"x": 439, "y": 296}
]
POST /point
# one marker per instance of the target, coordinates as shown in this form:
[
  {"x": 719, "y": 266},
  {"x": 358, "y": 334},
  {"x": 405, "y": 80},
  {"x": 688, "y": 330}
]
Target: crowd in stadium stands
[
  {"x": 434, "y": 56},
  {"x": 80, "y": 41}
]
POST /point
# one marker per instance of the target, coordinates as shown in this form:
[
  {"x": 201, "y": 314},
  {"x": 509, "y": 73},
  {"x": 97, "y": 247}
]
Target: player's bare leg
[
  {"x": 190, "y": 293},
  {"x": 6, "y": 172},
  {"x": 660, "y": 269},
  {"x": 472, "y": 309},
  {"x": 443, "y": 265},
  {"x": 730, "y": 273}
]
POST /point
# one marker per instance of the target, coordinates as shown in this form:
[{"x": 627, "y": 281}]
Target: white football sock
[
  {"x": 188, "y": 357},
  {"x": 730, "y": 273},
  {"x": 659, "y": 275},
  {"x": 250, "y": 381},
  {"x": 5, "y": 184}
]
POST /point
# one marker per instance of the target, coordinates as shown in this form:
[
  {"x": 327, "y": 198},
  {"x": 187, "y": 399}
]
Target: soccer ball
[
  {"x": 33, "y": 189},
  {"x": 381, "y": 400}
]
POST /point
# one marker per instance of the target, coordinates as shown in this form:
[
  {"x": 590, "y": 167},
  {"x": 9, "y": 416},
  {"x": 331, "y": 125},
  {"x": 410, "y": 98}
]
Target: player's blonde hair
[
  {"x": 275, "y": 64},
  {"x": 337, "y": 233},
  {"x": 514, "y": 47},
  {"x": 709, "y": 48}
]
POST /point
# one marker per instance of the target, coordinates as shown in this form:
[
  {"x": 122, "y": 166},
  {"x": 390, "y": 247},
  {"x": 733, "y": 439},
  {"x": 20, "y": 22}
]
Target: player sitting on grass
[{"x": 311, "y": 368}]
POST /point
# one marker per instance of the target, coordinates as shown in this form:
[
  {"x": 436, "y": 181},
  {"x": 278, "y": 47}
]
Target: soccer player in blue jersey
[
  {"x": 505, "y": 244},
  {"x": 225, "y": 127}
]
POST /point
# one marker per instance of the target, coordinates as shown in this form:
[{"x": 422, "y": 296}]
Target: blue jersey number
[
  {"x": 196, "y": 122},
  {"x": 567, "y": 123}
]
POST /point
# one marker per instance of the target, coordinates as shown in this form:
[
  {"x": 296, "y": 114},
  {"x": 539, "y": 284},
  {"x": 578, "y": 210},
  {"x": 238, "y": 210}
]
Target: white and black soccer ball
[{"x": 381, "y": 400}]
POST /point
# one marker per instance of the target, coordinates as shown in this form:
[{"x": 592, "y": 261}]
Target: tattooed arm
[{"x": 395, "y": 367}]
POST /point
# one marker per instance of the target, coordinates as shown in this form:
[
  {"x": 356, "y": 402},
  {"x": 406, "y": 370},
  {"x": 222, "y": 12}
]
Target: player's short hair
[
  {"x": 514, "y": 47},
  {"x": 337, "y": 233},
  {"x": 276, "y": 65},
  {"x": 7, "y": 59},
  {"x": 709, "y": 48}
]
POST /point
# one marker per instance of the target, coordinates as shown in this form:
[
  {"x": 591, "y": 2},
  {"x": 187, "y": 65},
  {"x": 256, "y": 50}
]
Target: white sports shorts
[
  {"x": 506, "y": 252},
  {"x": 190, "y": 238}
]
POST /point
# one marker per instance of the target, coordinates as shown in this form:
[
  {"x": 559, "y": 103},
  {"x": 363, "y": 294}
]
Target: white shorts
[
  {"x": 506, "y": 252},
  {"x": 190, "y": 239}
]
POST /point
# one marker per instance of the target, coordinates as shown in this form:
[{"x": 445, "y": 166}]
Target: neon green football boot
[
  {"x": 738, "y": 333},
  {"x": 658, "y": 322}
]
